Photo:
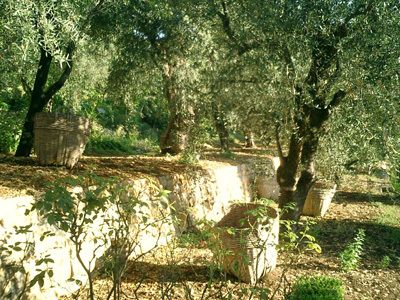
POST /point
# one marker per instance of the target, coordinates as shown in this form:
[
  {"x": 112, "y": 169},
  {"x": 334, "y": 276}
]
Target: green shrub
[
  {"x": 385, "y": 262},
  {"x": 10, "y": 128},
  {"x": 108, "y": 142},
  {"x": 108, "y": 145},
  {"x": 394, "y": 174},
  {"x": 395, "y": 182},
  {"x": 350, "y": 257},
  {"x": 317, "y": 288}
]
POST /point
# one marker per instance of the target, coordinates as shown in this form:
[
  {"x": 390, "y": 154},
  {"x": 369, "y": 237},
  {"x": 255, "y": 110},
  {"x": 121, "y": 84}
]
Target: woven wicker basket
[
  {"x": 252, "y": 246},
  {"x": 267, "y": 188},
  {"x": 318, "y": 199},
  {"x": 60, "y": 138}
]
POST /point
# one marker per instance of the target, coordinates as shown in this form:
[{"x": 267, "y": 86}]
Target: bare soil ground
[{"x": 358, "y": 204}]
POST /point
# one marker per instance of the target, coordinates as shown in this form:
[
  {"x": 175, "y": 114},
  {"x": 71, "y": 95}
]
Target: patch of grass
[
  {"x": 342, "y": 228},
  {"x": 188, "y": 158},
  {"x": 390, "y": 214},
  {"x": 109, "y": 145},
  {"x": 393, "y": 235},
  {"x": 315, "y": 231}
]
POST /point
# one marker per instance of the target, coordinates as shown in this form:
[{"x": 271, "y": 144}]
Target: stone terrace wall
[{"x": 205, "y": 193}]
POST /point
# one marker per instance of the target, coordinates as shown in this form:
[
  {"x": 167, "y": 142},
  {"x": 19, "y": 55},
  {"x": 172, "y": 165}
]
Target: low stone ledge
[{"x": 203, "y": 194}]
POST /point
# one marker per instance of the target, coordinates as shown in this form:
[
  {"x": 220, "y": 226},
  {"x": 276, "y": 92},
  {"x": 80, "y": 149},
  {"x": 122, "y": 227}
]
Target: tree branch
[
  {"x": 26, "y": 86},
  {"x": 336, "y": 99},
  {"x": 91, "y": 13},
  {"x": 360, "y": 11},
  {"x": 64, "y": 76},
  {"x": 287, "y": 57},
  {"x": 242, "y": 47},
  {"x": 279, "y": 146}
]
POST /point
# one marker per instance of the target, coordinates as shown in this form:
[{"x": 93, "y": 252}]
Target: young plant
[
  {"x": 350, "y": 257},
  {"x": 217, "y": 283},
  {"x": 385, "y": 262},
  {"x": 107, "y": 218},
  {"x": 14, "y": 280},
  {"x": 317, "y": 288},
  {"x": 16, "y": 249}
]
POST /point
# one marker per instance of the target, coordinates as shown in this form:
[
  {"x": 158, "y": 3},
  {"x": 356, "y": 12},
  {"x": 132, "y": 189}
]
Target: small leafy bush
[
  {"x": 188, "y": 157},
  {"x": 350, "y": 257},
  {"x": 317, "y": 288},
  {"x": 107, "y": 214},
  {"x": 10, "y": 129},
  {"x": 105, "y": 141},
  {"x": 385, "y": 262},
  {"x": 395, "y": 179}
]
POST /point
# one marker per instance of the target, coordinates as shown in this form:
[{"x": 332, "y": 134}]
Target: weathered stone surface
[
  {"x": 266, "y": 186},
  {"x": 202, "y": 194},
  {"x": 146, "y": 235},
  {"x": 206, "y": 193},
  {"x": 58, "y": 247}
]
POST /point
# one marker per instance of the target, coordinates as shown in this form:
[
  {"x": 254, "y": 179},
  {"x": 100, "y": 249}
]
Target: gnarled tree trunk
[
  {"x": 221, "y": 125},
  {"x": 249, "y": 139},
  {"x": 40, "y": 97},
  {"x": 296, "y": 172},
  {"x": 176, "y": 136}
]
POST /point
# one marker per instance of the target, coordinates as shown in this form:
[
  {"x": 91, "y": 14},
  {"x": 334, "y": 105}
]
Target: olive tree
[
  {"x": 308, "y": 48},
  {"x": 50, "y": 31},
  {"x": 154, "y": 40}
]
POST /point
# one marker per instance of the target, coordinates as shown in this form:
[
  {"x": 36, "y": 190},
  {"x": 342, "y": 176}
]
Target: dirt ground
[{"x": 357, "y": 204}]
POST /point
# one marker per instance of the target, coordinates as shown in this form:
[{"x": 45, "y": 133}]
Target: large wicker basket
[
  {"x": 60, "y": 138},
  {"x": 318, "y": 199},
  {"x": 252, "y": 245}
]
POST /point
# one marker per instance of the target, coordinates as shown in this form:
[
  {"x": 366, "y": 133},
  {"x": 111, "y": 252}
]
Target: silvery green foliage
[
  {"x": 49, "y": 24},
  {"x": 265, "y": 56},
  {"x": 30, "y": 25}
]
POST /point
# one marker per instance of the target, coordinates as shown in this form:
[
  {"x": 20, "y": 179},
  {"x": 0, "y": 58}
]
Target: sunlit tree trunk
[{"x": 296, "y": 172}]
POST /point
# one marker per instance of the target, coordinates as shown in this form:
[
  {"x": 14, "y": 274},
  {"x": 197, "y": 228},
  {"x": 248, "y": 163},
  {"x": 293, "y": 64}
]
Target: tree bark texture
[
  {"x": 296, "y": 172},
  {"x": 221, "y": 126},
  {"x": 176, "y": 136}
]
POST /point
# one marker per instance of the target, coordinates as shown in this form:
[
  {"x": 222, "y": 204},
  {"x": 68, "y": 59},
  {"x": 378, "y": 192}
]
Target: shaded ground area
[
  {"x": 162, "y": 275},
  {"x": 349, "y": 211},
  {"x": 21, "y": 176},
  {"x": 360, "y": 203}
]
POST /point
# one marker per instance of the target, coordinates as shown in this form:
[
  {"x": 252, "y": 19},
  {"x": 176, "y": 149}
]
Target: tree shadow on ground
[
  {"x": 380, "y": 240},
  {"x": 145, "y": 271},
  {"x": 351, "y": 197}
]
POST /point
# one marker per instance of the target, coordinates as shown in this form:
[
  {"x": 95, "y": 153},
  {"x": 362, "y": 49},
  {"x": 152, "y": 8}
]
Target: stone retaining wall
[{"x": 202, "y": 194}]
